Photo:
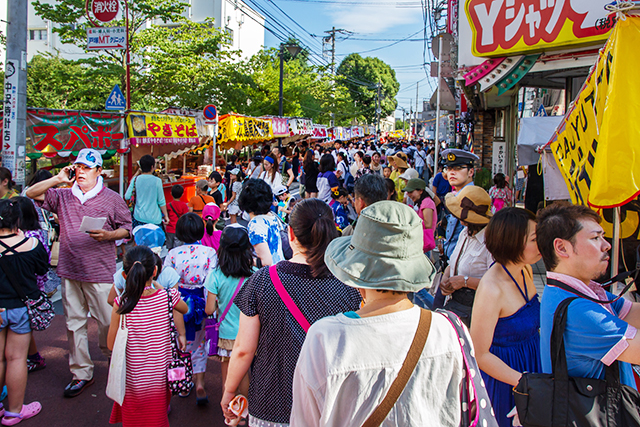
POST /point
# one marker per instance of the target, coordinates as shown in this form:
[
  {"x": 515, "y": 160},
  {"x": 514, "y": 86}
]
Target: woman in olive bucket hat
[
  {"x": 348, "y": 362},
  {"x": 470, "y": 258}
]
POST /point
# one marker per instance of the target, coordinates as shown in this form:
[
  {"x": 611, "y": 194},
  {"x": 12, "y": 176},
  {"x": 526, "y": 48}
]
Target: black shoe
[{"x": 76, "y": 387}]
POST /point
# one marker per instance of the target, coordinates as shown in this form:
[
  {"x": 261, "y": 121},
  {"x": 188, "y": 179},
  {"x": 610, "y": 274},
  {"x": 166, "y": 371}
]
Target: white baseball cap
[{"x": 89, "y": 157}]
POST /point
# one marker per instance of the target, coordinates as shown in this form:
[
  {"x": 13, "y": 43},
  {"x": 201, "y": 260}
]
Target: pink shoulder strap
[{"x": 286, "y": 298}]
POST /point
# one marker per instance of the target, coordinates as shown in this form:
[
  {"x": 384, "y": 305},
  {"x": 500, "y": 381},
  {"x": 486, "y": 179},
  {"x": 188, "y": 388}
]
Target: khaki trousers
[{"x": 79, "y": 299}]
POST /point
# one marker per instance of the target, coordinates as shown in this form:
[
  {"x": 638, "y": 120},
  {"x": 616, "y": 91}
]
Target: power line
[
  {"x": 399, "y": 5},
  {"x": 389, "y": 45}
]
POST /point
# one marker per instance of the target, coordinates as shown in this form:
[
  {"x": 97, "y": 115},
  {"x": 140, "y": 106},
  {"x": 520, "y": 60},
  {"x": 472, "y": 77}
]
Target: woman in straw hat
[
  {"x": 349, "y": 361},
  {"x": 470, "y": 258}
]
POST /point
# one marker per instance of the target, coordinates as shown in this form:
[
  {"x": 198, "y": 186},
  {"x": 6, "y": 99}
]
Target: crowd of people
[{"x": 349, "y": 284}]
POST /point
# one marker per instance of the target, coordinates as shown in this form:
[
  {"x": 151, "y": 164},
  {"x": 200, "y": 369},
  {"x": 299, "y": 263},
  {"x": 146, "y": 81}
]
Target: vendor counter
[{"x": 188, "y": 182}]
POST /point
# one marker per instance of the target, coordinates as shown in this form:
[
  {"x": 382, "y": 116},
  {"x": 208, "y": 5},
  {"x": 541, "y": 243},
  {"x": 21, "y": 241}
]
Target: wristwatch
[{"x": 465, "y": 281}]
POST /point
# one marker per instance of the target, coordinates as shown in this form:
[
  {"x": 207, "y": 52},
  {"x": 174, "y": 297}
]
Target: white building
[{"x": 243, "y": 24}]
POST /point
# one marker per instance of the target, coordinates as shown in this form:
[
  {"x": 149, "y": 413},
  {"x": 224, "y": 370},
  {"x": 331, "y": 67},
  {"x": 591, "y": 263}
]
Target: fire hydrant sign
[
  {"x": 105, "y": 10},
  {"x": 106, "y": 38}
]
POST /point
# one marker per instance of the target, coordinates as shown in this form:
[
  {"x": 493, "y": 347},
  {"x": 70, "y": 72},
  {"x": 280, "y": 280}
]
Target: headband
[{"x": 269, "y": 159}]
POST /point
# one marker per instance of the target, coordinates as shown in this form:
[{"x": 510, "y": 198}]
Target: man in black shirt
[{"x": 284, "y": 167}]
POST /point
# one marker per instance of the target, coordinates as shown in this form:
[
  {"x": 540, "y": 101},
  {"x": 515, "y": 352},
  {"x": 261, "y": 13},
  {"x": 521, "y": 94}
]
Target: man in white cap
[{"x": 87, "y": 259}]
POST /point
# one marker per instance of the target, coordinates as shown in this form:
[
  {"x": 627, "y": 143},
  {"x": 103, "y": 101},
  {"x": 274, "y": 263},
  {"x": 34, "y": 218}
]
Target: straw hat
[
  {"x": 472, "y": 205},
  {"x": 400, "y": 160},
  {"x": 385, "y": 251}
]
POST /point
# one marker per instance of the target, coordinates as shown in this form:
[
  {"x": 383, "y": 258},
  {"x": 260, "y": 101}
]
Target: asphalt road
[{"x": 93, "y": 407}]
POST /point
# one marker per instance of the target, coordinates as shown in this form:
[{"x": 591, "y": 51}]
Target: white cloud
[{"x": 372, "y": 20}]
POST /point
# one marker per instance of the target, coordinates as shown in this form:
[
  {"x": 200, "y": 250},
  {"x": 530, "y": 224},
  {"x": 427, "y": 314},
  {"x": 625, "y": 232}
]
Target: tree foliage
[{"x": 361, "y": 75}]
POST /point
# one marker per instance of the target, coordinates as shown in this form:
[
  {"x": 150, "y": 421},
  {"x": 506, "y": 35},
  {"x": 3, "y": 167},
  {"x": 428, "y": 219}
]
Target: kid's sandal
[{"x": 28, "y": 411}]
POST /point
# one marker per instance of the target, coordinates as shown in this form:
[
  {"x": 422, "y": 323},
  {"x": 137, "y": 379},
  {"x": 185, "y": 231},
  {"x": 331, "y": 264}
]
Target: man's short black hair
[
  {"x": 190, "y": 228},
  {"x": 177, "y": 191},
  {"x": 256, "y": 197},
  {"x": 215, "y": 175},
  {"x": 147, "y": 162},
  {"x": 560, "y": 220},
  {"x": 371, "y": 188}
]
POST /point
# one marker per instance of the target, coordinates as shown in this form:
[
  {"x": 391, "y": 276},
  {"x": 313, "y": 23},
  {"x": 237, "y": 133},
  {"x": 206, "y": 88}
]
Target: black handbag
[{"x": 550, "y": 400}]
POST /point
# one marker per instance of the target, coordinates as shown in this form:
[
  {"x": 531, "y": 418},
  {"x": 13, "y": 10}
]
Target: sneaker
[
  {"x": 76, "y": 387},
  {"x": 36, "y": 364}
]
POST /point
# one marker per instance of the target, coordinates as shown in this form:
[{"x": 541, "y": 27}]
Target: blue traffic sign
[
  {"x": 210, "y": 112},
  {"x": 116, "y": 100}
]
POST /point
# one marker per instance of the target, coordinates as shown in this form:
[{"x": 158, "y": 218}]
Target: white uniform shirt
[
  {"x": 347, "y": 365},
  {"x": 475, "y": 259}
]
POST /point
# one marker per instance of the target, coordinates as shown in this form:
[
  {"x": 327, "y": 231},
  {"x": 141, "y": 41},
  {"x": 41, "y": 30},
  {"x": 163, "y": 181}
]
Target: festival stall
[
  {"x": 237, "y": 131},
  {"x": 169, "y": 136},
  {"x": 299, "y": 129},
  {"x": 60, "y": 134}
]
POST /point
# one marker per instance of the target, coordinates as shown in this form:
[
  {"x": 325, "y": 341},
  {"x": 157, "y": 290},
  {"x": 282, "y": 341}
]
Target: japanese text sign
[
  {"x": 51, "y": 131},
  {"x": 105, "y": 10},
  {"x": 280, "y": 126},
  {"x": 319, "y": 131},
  {"x": 510, "y": 27},
  {"x": 147, "y": 128},
  {"x": 300, "y": 127},
  {"x": 598, "y": 156},
  {"x": 233, "y": 129},
  {"x": 106, "y": 38}
]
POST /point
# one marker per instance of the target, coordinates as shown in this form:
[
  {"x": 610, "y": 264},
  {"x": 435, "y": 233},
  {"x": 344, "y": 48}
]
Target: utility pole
[
  {"x": 416, "y": 113},
  {"x": 331, "y": 38},
  {"x": 437, "y": 136},
  {"x": 378, "y": 111},
  {"x": 14, "y": 141}
]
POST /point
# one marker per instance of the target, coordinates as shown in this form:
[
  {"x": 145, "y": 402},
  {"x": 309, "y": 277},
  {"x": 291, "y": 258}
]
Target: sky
[{"x": 377, "y": 26}]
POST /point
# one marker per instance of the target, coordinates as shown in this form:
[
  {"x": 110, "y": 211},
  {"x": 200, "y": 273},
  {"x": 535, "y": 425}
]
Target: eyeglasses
[{"x": 82, "y": 167}]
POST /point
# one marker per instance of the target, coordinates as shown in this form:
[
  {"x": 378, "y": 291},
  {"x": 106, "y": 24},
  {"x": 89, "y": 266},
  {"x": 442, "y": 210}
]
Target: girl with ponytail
[
  {"x": 269, "y": 337},
  {"x": 144, "y": 305},
  {"x": 210, "y": 215}
]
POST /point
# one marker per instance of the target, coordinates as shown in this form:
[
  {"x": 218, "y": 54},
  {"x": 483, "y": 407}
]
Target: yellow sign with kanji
[
  {"x": 234, "y": 129},
  {"x": 149, "y": 128}
]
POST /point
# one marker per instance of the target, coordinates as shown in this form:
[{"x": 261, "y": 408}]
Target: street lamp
[{"x": 293, "y": 50}]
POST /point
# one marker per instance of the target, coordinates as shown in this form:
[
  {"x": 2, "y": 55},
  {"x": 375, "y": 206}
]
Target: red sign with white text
[
  {"x": 105, "y": 10},
  {"x": 510, "y": 27}
]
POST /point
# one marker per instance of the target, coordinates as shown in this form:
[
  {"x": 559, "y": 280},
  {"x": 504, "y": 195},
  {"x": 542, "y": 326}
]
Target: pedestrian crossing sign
[{"x": 115, "y": 100}]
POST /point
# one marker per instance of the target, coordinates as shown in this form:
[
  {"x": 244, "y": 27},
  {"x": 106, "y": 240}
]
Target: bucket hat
[
  {"x": 472, "y": 204},
  {"x": 409, "y": 174},
  {"x": 400, "y": 161},
  {"x": 384, "y": 252}
]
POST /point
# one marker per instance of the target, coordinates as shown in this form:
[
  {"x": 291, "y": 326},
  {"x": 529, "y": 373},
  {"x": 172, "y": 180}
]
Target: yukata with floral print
[{"x": 193, "y": 262}]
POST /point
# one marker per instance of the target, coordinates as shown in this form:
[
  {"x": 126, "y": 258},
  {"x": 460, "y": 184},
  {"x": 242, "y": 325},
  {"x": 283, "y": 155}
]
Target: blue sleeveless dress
[{"x": 516, "y": 341}]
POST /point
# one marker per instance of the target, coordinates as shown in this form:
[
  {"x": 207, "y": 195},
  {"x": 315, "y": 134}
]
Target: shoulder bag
[
  {"x": 408, "y": 366},
  {"x": 287, "y": 300},
  {"x": 117, "y": 381},
  {"x": 212, "y": 325},
  {"x": 476, "y": 408},
  {"x": 40, "y": 310},
  {"x": 549, "y": 400},
  {"x": 179, "y": 369}
]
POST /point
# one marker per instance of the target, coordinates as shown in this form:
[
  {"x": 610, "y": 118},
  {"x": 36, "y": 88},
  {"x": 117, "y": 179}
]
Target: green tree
[
  {"x": 361, "y": 76},
  {"x": 55, "y": 82},
  {"x": 177, "y": 63}
]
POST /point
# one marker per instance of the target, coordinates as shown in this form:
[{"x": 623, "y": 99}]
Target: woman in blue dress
[{"x": 506, "y": 312}]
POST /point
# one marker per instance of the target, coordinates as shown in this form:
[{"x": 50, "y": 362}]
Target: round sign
[
  {"x": 105, "y": 10},
  {"x": 210, "y": 112}
]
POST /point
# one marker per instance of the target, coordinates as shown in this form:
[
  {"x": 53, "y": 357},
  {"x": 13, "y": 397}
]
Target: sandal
[
  {"x": 28, "y": 411},
  {"x": 187, "y": 393}
]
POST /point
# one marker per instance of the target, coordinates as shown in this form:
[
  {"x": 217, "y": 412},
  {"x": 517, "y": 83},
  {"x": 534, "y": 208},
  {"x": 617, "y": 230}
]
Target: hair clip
[{"x": 137, "y": 262}]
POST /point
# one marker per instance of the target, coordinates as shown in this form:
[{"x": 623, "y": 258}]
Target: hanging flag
[{"x": 597, "y": 146}]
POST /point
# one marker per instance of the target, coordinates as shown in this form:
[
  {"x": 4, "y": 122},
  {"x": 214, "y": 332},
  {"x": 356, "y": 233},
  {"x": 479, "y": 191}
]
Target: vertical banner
[
  {"x": 498, "y": 164},
  {"x": 10, "y": 156}
]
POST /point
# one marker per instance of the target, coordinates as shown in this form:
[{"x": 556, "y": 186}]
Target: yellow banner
[
  {"x": 234, "y": 129},
  {"x": 598, "y": 147},
  {"x": 149, "y": 128}
]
